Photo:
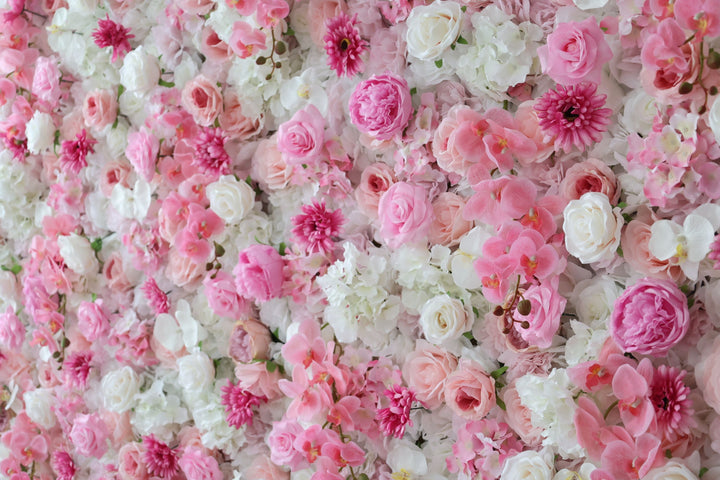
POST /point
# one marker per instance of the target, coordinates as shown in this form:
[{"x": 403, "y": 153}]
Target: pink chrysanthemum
[
  {"x": 210, "y": 154},
  {"x": 160, "y": 459},
  {"x": 670, "y": 396},
  {"x": 77, "y": 368},
  {"x": 573, "y": 115},
  {"x": 715, "y": 252},
  {"x": 396, "y": 417},
  {"x": 238, "y": 405},
  {"x": 63, "y": 465},
  {"x": 344, "y": 45},
  {"x": 315, "y": 227},
  {"x": 111, "y": 34},
  {"x": 73, "y": 154},
  {"x": 156, "y": 298}
]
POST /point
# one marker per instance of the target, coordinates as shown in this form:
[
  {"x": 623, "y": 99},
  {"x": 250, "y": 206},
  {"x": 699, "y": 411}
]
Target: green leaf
[
  {"x": 271, "y": 366},
  {"x": 497, "y": 373},
  {"x": 15, "y": 269},
  {"x": 439, "y": 63},
  {"x": 463, "y": 8},
  {"x": 93, "y": 296},
  {"x": 461, "y": 40},
  {"x": 500, "y": 403},
  {"x": 702, "y": 472},
  {"x": 121, "y": 90},
  {"x": 413, "y": 90},
  {"x": 275, "y": 335},
  {"x": 219, "y": 250},
  {"x": 281, "y": 248},
  {"x": 363, "y": 476},
  {"x": 96, "y": 244},
  {"x": 290, "y": 32},
  {"x": 468, "y": 335},
  {"x": 476, "y": 311},
  {"x": 622, "y": 204},
  {"x": 165, "y": 84}
]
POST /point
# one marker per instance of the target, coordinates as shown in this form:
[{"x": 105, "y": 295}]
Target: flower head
[
  {"x": 63, "y": 465},
  {"x": 210, "y": 154},
  {"x": 315, "y": 227},
  {"x": 573, "y": 115},
  {"x": 74, "y": 152},
  {"x": 77, "y": 367},
  {"x": 160, "y": 459},
  {"x": 238, "y": 405},
  {"x": 344, "y": 45},
  {"x": 111, "y": 34},
  {"x": 670, "y": 396},
  {"x": 157, "y": 298},
  {"x": 394, "y": 418},
  {"x": 714, "y": 254}
]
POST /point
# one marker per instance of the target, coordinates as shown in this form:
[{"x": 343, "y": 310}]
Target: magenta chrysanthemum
[
  {"x": 396, "y": 417},
  {"x": 673, "y": 407},
  {"x": 111, "y": 34},
  {"x": 77, "y": 368},
  {"x": 63, "y": 465},
  {"x": 315, "y": 227},
  {"x": 238, "y": 405},
  {"x": 573, "y": 115},
  {"x": 160, "y": 459},
  {"x": 156, "y": 298},
  {"x": 210, "y": 153},
  {"x": 344, "y": 45},
  {"x": 73, "y": 154}
]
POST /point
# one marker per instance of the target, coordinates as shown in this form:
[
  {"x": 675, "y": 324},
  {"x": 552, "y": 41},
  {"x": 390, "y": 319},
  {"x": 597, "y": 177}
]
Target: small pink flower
[
  {"x": 405, "y": 214},
  {"x": 259, "y": 273},
  {"x": 157, "y": 299},
  {"x": 702, "y": 16},
  {"x": 160, "y": 459},
  {"x": 715, "y": 252},
  {"x": 316, "y": 226},
  {"x": 12, "y": 330},
  {"x": 77, "y": 368},
  {"x": 302, "y": 138},
  {"x": 396, "y": 417},
  {"x": 243, "y": 7},
  {"x": 46, "y": 81},
  {"x": 343, "y": 45},
  {"x": 89, "y": 435},
  {"x": 470, "y": 391},
  {"x": 632, "y": 390},
  {"x": 249, "y": 340},
  {"x": 381, "y": 106},
  {"x": 73, "y": 153},
  {"x": 281, "y": 442},
  {"x": 210, "y": 154},
  {"x": 63, "y": 465},
  {"x": 544, "y": 316},
  {"x": 238, "y": 405},
  {"x": 111, "y": 34},
  {"x": 196, "y": 465},
  {"x": 245, "y": 40},
  {"x": 671, "y": 399},
  {"x": 270, "y": 12},
  {"x": 222, "y": 296},
  {"x": 142, "y": 150},
  {"x": 201, "y": 97}
]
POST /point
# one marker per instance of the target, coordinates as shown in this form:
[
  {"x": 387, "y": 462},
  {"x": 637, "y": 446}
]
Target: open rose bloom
[{"x": 360, "y": 240}]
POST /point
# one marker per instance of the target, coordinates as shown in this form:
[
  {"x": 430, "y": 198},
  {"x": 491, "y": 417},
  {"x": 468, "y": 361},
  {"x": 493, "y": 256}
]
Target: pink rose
[
  {"x": 519, "y": 417},
  {"x": 426, "y": 369},
  {"x": 592, "y": 175},
  {"x": 114, "y": 273},
  {"x": 222, "y": 296},
  {"x": 99, "y": 109},
  {"x": 470, "y": 391},
  {"x": 259, "y": 273},
  {"x": 448, "y": 226},
  {"x": 202, "y": 99},
  {"x": 46, "y": 81},
  {"x": 131, "y": 465},
  {"x": 575, "y": 52},
  {"x": 405, "y": 214},
  {"x": 92, "y": 320},
  {"x": 235, "y": 123},
  {"x": 269, "y": 167},
  {"x": 374, "y": 182},
  {"x": 529, "y": 125},
  {"x": 196, "y": 7},
  {"x": 262, "y": 468},
  {"x": 302, "y": 137},
  {"x": 113, "y": 173},
  {"x": 142, "y": 151},
  {"x": 281, "y": 440},
  {"x": 12, "y": 331},
  {"x": 249, "y": 340},
  {"x": 255, "y": 378},
  {"x": 650, "y": 317},
  {"x": 183, "y": 272},
  {"x": 89, "y": 434},
  {"x": 544, "y": 318},
  {"x": 196, "y": 465},
  {"x": 381, "y": 106}
]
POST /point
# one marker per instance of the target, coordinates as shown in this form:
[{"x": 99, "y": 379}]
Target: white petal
[
  {"x": 663, "y": 239},
  {"x": 167, "y": 332},
  {"x": 711, "y": 212},
  {"x": 699, "y": 234}
]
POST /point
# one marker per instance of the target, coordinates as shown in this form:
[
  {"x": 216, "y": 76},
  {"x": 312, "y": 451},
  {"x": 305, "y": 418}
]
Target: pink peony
[
  {"x": 650, "y": 317},
  {"x": 259, "y": 273},
  {"x": 202, "y": 99},
  {"x": 405, "y": 214},
  {"x": 381, "y": 106}
]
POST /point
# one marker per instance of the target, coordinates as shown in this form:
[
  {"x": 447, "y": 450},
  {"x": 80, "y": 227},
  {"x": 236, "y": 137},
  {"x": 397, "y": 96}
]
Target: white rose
[
  {"x": 231, "y": 199},
  {"x": 77, "y": 253},
  {"x": 40, "y": 132},
  {"x": 119, "y": 388},
  {"x": 195, "y": 372},
  {"x": 589, "y": 4},
  {"x": 443, "y": 318},
  {"x": 592, "y": 228},
  {"x": 714, "y": 119},
  {"x": 132, "y": 203},
  {"x": 38, "y": 406},
  {"x": 528, "y": 465},
  {"x": 671, "y": 471},
  {"x": 594, "y": 299},
  {"x": 638, "y": 112},
  {"x": 431, "y": 29},
  {"x": 140, "y": 71}
]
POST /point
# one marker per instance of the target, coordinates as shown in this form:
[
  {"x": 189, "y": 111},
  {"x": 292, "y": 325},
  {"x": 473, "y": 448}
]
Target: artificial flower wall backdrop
[{"x": 359, "y": 239}]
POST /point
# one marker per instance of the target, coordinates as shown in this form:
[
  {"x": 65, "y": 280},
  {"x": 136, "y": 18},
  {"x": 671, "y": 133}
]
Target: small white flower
[
  {"x": 592, "y": 228},
  {"x": 119, "y": 388},
  {"x": 77, "y": 253},
  {"x": 38, "y": 406},
  {"x": 140, "y": 71},
  {"x": 231, "y": 199},
  {"x": 40, "y": 131},
  {"x": 431, "y": 29},
  {"x": 443, "y": 319}
]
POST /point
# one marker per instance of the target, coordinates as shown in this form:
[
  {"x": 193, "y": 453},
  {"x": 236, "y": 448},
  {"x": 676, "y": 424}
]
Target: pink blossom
[
  {"x": 310, "y": 399},
  {"x": 202, "y": 99},
  {"x": 222, "y": 295},
  {"x": 196, "y": 465},
  {"x": 245, "y": 40},
  {"x": 671, "y": 399},
  {"x": 426, "y": 370},
  {"x": 396, "y": 417},
  {"x": 301, "y": 139},
  {"x": 63, "y": 465},
  {"x": 544, "y": 318},
  {"x": 249, "y": 340},
  {"x": 77, "y": 368},
  {"x": 481, "y": 449},
  {"x": 111, "y": 34},
  {"x": 238, "y": 405},
  {"x": 210, "y": 154},
  {"x": 315, "y": 228},
  {"x": 12, "y": 330},
  {"x": 243, "y": 7},
  {"x": 73, "y": 156},
  {"x": 46, "y": 81},
  {"x": 259, "y": 273},
  {"x": 497, "y": 200},
  {"x": 159, "y": 458},
  {"x": 470, "y": 391},
  {"x": 157, "y": 299},
  {"x": 702, "y": 16},
  {"x": 270, "y": 12},
  {"x": 343, "y": 45},
  {"x": 142, "y": 150},
  {"x": 632, "y": 390},
  {"x": 89, "y": 435},
  {"x": 631, "y": 459},
  {"x": 381, "y": 106},
  {"x": 305, "y": 347},
  {"x": 281, "y": 442},
  {"x": 405, "y": 214}
]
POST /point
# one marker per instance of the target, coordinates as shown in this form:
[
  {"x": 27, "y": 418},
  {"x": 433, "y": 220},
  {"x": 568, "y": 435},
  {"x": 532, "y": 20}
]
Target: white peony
[
  {"x": 77, "y": 253},
  {"x": 431, "y": 29},
  {"x": 671, "y": 471},
  {"x": 592, "y": 228},
  {"x": 443, "y": 318},
  {"x": 195, "y": 372},
  {"x": 528, "y": 465},
  {"x": 231, "y": 199},
  {"x": 594, "y": 299},
  {"x": 40, "y": 132},
  {"x": 119, "y": 388},
  {"x": 132, "y": 203},
  {"x": 38, "y": 406},
  {"x": 140, "y": 71}
]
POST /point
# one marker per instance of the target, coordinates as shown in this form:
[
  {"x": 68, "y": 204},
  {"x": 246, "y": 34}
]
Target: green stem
[{"x": 609, "y": 409}]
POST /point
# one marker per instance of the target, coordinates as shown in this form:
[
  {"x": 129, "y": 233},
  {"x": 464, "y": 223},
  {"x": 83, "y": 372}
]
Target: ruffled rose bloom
[
  {"x": 431, "y": 29},
  {"x": 196, "y": 7},
  {"x": 249, "y": 340},
  {"x": 89, "y": 434},
  {"x": 528, "y": 465},
  {"x": 374, "y": 182},
  {"x": 255, "y": 378},
  {"x": 302, "y": 137},
  {"x": 443, "y": 318},
  {"x": 99, "y": 109},
  {"x": 259, "y": 273},
  {"x": 519, "y": 417},
  {"x": 381, "y": 106},
  {"x": 269, "y": 167},
  {"x": 222, "y": 296},
  {"x": 237, "y": 124},
  {"x": 448, "y": 226},
  {"x": 707, "y": 374},
  {"x": 202, "y": 99},
  {"x": 650, "y": 317},
  {"x": 470, "y": 391},
  {"x": 183, "y": 272},
  {"x": 262, "y": 468},
  {"x": 92, "y": 320},
  {"x": 592, "y": 175},
  {"x": 405, "y": 214},
  {"x": 131, "y": 465},
  {"x": 113, "y": 173},
  {"x": 426, "y": 369},
  {"x": 196, "y": 465},
  {"x": 592, "y": 228},
  {"x": 547, "y": 307}
]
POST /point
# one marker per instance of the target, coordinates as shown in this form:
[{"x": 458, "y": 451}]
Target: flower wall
[{"x": 373, "y": 239}]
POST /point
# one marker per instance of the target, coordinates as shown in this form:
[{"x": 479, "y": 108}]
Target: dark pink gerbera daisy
[
  {"x": 573, "y": 115},
  {"x": 344, "y": 45},
  {"x": 210, "y": 153},
  {"x": 315, "y": 227},
  {"x": 157, "y": 299},
  {"x": 673, "y": 407},
  {"x": 111, "y": 34},
  {"x": 238, "y": 405},
  {"x": 160, "y": 459},
  {"x": 73, "y": 153},
  {"x": 394, "y": 418}
]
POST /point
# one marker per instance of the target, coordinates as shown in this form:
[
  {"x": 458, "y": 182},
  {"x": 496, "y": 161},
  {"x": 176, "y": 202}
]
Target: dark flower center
[
  {"x": 344, "y": 44},
  {"x": 569, "y": 114}
]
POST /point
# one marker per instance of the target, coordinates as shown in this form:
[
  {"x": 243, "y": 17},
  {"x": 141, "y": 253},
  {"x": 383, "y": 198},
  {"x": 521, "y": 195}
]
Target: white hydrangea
[
  {"x": 585, "y": 344},
  {"x": 501, "y": 53},
  {"x": 550, "y": 401},
  {"x": 210, "y": 418},
  {"x": 156, "y": 412}
]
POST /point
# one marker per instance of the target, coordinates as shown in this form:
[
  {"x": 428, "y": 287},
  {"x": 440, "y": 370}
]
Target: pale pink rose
[
  {"x": 262, "y": 468},
  {"x": 381, "y": 106},
  {"x": 213, "y": 47},
  {"x": 202, "y": 99},
  {"x": 191, "y": 437},
  {"x": 448, "y": 226},
  {"x": 269, "y": 167},
  {"x": 470, "y": 391},
  {"x": 195, "y": 7},
  {"x": 405, "y": 214},
  {"x": 113, "y": 172},
  {"x": 519, "y": 417},
  {"x": 46, "y": 81},
  {"x": 249, "y": 340},
  {"x": 255, "y": 378},
  {"x": 119, "y": 426},
  {"x": 426, "y": 369},
  {"x": 592, "y": 175},
  {"x": 89, "y": 435},
  {"x": 374, "y": 182},
  {"x": 131, "y": 465},
  {"x": 142, "y": 151},
  {"x": 319, "y": 11},
  {"x": 183, "y": 272},
  {"x": 234, "y": 123},
  {"x": 281, "y": 440},
  {"x": 196, "y": 465},
  {"x": 546, "y": 309},
  {"x": 302, "y": 137},
  {"x": 528, "y": 123},
  {"x": 114, "y": 273},
  {"x": 222, "y": 296},
  {"x": 575, "y": 52},
  {"x": 259, "y": 273},
  {"x": 99, "y": 109},
  {"x": 707, "y": 374},
  {"x": 93, "y": 320}
]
